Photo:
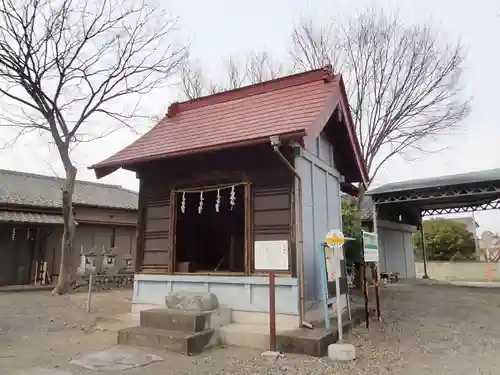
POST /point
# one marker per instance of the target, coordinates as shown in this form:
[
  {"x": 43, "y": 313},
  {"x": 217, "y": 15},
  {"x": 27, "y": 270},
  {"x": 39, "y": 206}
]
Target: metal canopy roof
[{"x": 464, "y": 192}]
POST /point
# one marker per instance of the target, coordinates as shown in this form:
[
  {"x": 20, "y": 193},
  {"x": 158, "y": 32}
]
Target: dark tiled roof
[
  {"x": 299, "y": 104},
  {"x": 29, "y": 217},
  {"x": 366, "y": 206},
  {"x": 45, "y": 191}
]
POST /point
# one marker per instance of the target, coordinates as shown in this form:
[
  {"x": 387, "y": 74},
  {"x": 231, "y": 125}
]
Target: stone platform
[
  {"x": 188, "y": 325},
  {"x": 315, "y": 342}
]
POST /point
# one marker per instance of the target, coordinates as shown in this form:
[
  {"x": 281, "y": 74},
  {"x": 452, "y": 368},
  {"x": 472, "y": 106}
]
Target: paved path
[
  {"x": 477, "y": 284},
  {"x": 427, "y": 329}
]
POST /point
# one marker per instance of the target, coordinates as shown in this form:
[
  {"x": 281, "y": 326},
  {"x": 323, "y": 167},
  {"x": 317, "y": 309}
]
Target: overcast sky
[{"x": 219, "y": 28}]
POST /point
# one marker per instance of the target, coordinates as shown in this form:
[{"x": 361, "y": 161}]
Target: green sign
[{"x": 370, "y": 247}]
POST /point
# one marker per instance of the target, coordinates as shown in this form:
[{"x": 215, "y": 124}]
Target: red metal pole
[{"x": 272, "y": 312}]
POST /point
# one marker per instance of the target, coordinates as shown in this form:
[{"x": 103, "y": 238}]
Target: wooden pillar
[{"x": 141, "y": 216}]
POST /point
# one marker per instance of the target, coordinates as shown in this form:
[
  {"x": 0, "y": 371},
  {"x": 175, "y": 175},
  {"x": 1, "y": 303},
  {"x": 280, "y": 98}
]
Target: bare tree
[
  {"x": 65, "y": 62},
  {"x": 254, "y": 67},
  {"x": 314, "y": 46},
  {"x": 262, "y": 67},
  {"x": 404, "y": 86},
  {"x": 192, "y": 79}
]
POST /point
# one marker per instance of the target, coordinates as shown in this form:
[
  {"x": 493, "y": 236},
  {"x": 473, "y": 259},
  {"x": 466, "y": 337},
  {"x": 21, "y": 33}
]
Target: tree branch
[
  {"x": 404, "y": 84},
  {"x": 254, "y": 67}
]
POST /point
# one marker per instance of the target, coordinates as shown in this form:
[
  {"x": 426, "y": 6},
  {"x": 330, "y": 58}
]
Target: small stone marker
[
  {"x": 341, "y": 352},
  {"x": 271, "y": 354}
]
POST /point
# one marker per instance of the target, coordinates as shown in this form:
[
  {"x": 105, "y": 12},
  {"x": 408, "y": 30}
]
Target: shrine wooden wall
[{"x": 271, "y": 216}]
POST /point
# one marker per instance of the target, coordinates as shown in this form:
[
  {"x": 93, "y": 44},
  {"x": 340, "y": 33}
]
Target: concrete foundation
[{"x": 238, "y": 293}]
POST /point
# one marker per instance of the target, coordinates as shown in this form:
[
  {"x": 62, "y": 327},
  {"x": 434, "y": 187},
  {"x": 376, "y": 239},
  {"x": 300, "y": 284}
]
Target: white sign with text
[
  {"x": 271, "y": 255},
  {"x": 370, "y": 247}
]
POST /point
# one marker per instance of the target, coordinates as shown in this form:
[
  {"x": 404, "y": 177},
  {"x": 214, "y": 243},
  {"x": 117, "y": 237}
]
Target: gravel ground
[
  {"x": 425, "y": 330},
  {"x": 28, "y": 314}
]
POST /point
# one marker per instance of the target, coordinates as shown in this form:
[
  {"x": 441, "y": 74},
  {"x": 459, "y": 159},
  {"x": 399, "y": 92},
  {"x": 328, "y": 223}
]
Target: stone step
[
  {"x": 255, "y": 336},
  {"x": 174, "y": 341},
  {"x": 175, "y": 320},
  {"x": 312, "y": 342}
]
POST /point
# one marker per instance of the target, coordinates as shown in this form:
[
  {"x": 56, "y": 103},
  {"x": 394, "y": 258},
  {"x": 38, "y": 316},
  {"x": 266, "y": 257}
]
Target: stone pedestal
[{"x": 192, "y": 301}]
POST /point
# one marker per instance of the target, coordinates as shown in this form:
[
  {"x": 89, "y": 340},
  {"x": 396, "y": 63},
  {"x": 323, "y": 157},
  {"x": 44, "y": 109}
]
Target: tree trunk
[
  {"x": 66, "y": 271},
  {"x": 361, "y": 195}
]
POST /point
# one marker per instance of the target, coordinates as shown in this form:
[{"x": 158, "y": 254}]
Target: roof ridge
[
  {"x": 46, "y": 177},
  {"x": 280, "y": 83}
]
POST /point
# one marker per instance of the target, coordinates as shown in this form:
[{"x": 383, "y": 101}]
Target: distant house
[
  {"x": 31, "y": 223},
  {"x": 488, "y": 246},
  {"x": 489, "y": 240},
  {"x": 395, "y": 241}
]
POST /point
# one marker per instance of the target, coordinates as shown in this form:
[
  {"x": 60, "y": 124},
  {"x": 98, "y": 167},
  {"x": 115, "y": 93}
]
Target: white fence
[{"x": 467, "y": 271}]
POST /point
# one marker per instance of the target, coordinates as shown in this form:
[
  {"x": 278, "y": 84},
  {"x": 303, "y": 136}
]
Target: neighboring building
[
  {"x": 469, "y": 222},
  {"x": 214, "y": 189},
  {"x": 395, "y": 240},
  {"x": 31, "y": 224}
]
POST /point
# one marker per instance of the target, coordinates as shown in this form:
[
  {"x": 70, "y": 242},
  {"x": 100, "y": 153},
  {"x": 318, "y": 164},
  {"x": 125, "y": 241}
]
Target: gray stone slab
[
  {"x": 197, "y": 301},
  {"x": 116, "y": 359},
  {"x": 44, "y": 371}
]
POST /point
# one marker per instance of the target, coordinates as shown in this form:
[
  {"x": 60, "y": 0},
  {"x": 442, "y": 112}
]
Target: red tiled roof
[{"x": 285, "y": 106}]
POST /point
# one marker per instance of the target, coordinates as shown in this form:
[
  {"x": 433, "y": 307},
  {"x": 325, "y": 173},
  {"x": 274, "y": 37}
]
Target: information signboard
[
  {"x": 271, "y": 255},
  {"x": 370, "y": 247}
]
